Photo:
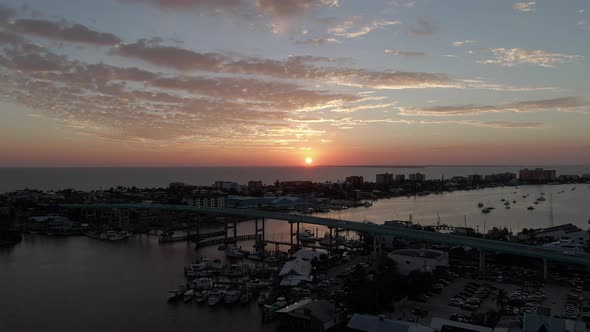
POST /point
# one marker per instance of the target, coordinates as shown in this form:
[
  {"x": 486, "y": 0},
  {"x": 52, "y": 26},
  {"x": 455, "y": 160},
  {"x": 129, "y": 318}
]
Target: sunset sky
[{"x": 273, "y": 82}]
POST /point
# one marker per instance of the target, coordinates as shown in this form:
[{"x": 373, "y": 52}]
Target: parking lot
[{"x": 465, "y": 298}]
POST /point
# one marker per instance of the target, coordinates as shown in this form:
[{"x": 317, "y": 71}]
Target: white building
[
  {"x": 309, "y": 254},
  {"x": 423, "y": 260},
  {"x": 207, "y": 201},
  {"x": 295, "y": 271}
]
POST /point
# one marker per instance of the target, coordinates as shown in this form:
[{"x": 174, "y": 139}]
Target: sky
[{"x": 273, "y": 82}]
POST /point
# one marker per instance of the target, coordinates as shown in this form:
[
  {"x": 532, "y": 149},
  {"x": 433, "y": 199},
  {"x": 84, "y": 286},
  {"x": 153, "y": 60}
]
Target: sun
[{"x": 308, "y": 160}]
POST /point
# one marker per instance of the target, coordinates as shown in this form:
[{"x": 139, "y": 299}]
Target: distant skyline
[{"x": 273, "y": 82}]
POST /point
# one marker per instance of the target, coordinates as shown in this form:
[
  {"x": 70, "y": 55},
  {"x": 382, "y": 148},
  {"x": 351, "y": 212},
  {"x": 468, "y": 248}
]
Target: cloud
[
  {"x": 242, "y": 8},
  {"x": 354, "y": 27},
  {"x": 286, "y": 8},
  {"x": 524, "y": 6},
  {"x": 317, "y": 41},
  {"x": 187, "y": 60},
  {"x": 404, "y": 3},
  {"x": 422, "y": 28},
  {"x": 409, "y": 54},
  {"x": 509, "y": 57},
  {"x": 463, "y": 42},
  {"x": 490, "y": 124},
  {"x": 58, "y": 31},
  {"x": 564, "y": 104}
]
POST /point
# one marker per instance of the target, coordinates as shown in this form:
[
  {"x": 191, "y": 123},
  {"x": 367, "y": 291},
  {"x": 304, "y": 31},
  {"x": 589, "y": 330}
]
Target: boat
[
  {"x": 513, "y": 201},
  {"x": 215, "y": 296},
  {"x": 306, "y": 236},
  {"x": 479, "y": 205},
  {"x": 222, "y": 247},
  {"x": 103, "y": 236},
  {"x": 367, "y": 204},
  {"x": 231, "y": 296},
  {"x": 201, "y": 297},
  {"x": 574, "y": 188},
  {"x": 234, "y": 252},
  {"x": 271, "y": 259},
  {"x": 245, "y": 297},
  {"x": 507, "y": 206},
  {"x": 541, "y": 199},
  {"x": 535, "y": 202},
  {"x": 234, "y": 271},
  {"x": 188, "y": 295},
  {"x": 175, "y": 293},
  {"x": 203, "y": 283},
  {"x": 118, "y": 236},
  {"x": 503, "y": 199},
  {"x": 262, "y": 298},
  {"x": 506, "y": 203},
  {"x": 486, "y": 210},
  {"x": 531, "y": 208},
  {"x": 254, "y": 257}
]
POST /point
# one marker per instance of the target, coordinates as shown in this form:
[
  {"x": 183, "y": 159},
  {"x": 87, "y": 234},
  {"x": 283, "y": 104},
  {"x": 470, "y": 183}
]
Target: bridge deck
[{"x": 484, "y": 244}]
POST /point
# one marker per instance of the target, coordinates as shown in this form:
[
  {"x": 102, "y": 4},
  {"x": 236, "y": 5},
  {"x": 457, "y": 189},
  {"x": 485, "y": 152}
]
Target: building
[
  {"x": 569, "y": 178},
  {"x": 500, "y": 177},
  {"x": 384, "y": 179},
  {"x": 423, "y": 260},
  {"x": 445, "y": 325},
  {"x": 226, "y": 185},
  {"x": 206, "y": 200},
  {"x": 475, "y": 178},
  {"x": 417, "y": 177},
  {"x": 308, "y": 316},
  {"x": 176, "y": 186},
  {"x": 459, "y": 179},
  {"x": 295, "y": 272},
  {"x": 537, "y": 175},
  {"x": 539, "y": 323},
  {"x": 561, "y": 232},
  {"x": 272, "y": 201},
  {"x": 255, "y": 185},
  {"x": 400, "y": 177},
  {"x": 368, "y": 323},
  {"x": 355, "y": 181}
]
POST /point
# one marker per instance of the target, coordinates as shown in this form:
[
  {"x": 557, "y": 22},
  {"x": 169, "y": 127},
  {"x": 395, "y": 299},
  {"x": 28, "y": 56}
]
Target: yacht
[
  {"x": 531, "y": 207},
  {"x": 479, "y": 205},
  {"x": 215, "y": 296},
  {"x": 231, "y": 296},
  {"x": 188, "y": 295},
  {"x": 541, "y": 199},
  {"x": 203, "y": 283},
  {"x": 254, "y": 257},
  {"x": 117, "y": 236},
  {"x": 306, "y": 236},
  {"x": 367, "y": 204},
  {"x": 245, "y": 297},
  {"x": 262, "y": 298},
  {"x": 234, "y": 252},
  {"x": 201, "y": 297},
  {"x": 175, "y": 293}
]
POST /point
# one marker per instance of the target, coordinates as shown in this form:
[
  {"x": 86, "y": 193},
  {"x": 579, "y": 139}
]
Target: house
[
  {"x": 539, "y": 323},
  {"x": 445, "y": 325},
  {"x": 423, "y": 260},
  {"x": 295, "y": 272},
  {"x": 308, "y": 316},
  {"x": 368, "y": 323}
]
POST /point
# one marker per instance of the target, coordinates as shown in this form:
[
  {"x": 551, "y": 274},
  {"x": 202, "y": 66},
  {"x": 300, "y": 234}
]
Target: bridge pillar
[
  {"x": 331, "y": 238},
  {"x": 291, "y": 234},
  {"x": 298, "y": 242},
  {"x": 482, "y": 264},
  {"x": 545, "y": 269}
]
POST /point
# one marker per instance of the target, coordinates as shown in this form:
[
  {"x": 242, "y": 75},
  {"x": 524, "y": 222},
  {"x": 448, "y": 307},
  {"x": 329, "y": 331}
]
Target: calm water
[
  {"x": 96, "y": 178},
  {"x": 569, "y": 206},
  {"x": 80, "y": 284}
]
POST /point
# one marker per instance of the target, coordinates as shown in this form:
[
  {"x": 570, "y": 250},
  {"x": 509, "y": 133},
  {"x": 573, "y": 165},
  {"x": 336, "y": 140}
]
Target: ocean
[{"x": 12, "y": 179}]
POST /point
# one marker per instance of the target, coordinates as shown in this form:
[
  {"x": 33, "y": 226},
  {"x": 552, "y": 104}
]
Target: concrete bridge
[{"x": 402, "y": 232}]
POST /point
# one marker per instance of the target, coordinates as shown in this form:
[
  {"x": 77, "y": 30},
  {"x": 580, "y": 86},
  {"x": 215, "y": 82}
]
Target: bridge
[{"x": 402, "y": 232}]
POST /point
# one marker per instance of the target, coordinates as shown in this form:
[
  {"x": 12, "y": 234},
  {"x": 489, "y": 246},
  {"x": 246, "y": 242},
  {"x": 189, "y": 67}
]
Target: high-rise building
[
  {"x": 417, "y": 177},
  {"x": 400, "y": 177},
  {"x": 537, "y": 175},
  {"x": 355, "y": 181},
  {"x": 384, "y": 179}
]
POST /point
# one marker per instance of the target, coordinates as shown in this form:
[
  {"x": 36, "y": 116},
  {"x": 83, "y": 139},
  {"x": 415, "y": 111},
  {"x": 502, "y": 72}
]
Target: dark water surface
[
  {"x": 80, "y": 284},
  {"x": 96, "y": 178}
]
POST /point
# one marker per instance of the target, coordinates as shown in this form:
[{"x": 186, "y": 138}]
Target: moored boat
[
  {"x": 175, "y": 293},
  {"x": 188, "y": 295},
  {"x": 231, "y": 296}
]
